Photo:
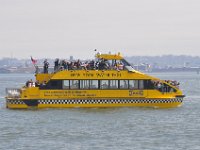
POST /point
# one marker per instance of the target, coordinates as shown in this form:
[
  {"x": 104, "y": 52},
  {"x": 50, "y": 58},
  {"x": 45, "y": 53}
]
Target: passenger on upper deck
[
  {"x": 71, "y": 66},
  {"x": 64, "y": 65},
  {"x": 46, "y": 66},
  {"x": 77, "y": 65},
  {"x": 91, "y": 65},
  {"x": 118, "y": 66},
  {"x": 56, "y": 65},
  {"x": 103, "y": 65},
  {"x": 84, "y": 65},
  {"x": 99, "y": 64}
]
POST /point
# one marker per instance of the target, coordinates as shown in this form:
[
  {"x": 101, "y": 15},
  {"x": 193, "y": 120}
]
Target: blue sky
[{"x": 50, "y": 28}]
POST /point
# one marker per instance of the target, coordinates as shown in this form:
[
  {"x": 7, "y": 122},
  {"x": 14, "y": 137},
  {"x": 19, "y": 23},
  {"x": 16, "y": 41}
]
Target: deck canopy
[{"x": 109, "y": 56}]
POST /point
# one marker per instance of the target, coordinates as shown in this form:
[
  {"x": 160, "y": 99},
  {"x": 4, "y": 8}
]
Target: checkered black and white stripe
[
  {"x": 16, "y": 102},
  {"x": 109, "y": 101},
  {"x": 99, "y": 101}
]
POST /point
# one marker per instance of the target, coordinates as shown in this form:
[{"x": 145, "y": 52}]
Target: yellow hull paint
[
  {"x": 97, "y": 105},
  {"x": 156, "y": 105},
  {"x": 17, "y": 106}
]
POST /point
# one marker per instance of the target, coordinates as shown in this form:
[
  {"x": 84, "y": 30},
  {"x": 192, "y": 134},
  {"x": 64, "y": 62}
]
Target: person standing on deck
[
  {"x": 46, "y": 66},
  {"x": 56, "y": 65}
]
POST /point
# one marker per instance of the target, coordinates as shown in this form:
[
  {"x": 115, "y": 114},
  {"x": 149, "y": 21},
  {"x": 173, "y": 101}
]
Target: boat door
[{"x": 136, "y": 88}]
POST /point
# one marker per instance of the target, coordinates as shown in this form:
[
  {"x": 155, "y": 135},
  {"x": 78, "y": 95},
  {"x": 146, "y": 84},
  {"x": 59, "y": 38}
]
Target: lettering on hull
[{"x": 139, "y": 93}]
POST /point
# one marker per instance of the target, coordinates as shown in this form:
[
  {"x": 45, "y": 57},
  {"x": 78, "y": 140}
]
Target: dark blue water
[{"x": 105, "y": 128}]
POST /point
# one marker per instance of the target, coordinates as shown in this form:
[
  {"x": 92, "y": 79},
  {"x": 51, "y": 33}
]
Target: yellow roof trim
[{"x": 109, "y": 56}]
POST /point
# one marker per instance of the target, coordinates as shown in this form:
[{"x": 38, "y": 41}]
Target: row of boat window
[
  {"x": 96, "y": 84},
  {"x": 103, "y": 84}
]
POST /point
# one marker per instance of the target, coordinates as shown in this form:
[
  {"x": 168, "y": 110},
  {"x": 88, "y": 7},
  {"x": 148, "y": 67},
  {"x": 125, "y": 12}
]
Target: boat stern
[{"x": 13, "y": 98}]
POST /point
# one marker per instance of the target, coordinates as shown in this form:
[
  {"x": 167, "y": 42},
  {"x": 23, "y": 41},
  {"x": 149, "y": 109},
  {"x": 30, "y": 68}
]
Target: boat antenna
[{"x": 96, "y": 53}]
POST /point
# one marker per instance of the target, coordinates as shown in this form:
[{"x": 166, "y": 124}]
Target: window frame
[
  {"x": 134, "y": 87},
  {"x": 90, "y": 84},
  {"x": 81, "y": 82},
  {"x": 66, "y": 86},
  {"x": 117, "y": 85},
  {"x": 78, "y": 86},
  {"x": 125, "y": 88},
  {"x": 100, "y": 85}
]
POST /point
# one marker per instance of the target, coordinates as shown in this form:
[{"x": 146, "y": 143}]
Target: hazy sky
[{"x": 60, "y": 28}]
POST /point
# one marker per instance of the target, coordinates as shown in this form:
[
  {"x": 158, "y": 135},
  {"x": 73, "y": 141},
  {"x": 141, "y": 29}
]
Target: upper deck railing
[{"x": 13, "y": 92}]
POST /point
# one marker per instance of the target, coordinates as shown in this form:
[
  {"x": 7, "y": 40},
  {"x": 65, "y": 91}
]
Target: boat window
[
  {"x": 149, "y": 84},
  {"x": 74, "y": 84},
  {"x": 113, "y": 84},
  {"x": 123, "y": 84},
  {"x": 133, "y": 84},
  {"x": 126, "y": 63},
  {"x": 52, "y": 84},
  {"x": 141, "y": 84},
  {"x": 65, "y": 84},
  {"x": 104, "y": 84},
  {"x": 84, "y": 84},
  {"x": 94, "y": 84}
]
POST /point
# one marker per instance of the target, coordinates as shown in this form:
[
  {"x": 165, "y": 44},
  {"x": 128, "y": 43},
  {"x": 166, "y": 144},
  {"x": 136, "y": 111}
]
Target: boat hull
[{"x": 93, "y": 103}]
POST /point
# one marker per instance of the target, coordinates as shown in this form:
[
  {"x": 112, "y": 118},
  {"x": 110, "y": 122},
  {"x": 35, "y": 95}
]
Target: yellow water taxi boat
[{"x": 107, "y": 81}]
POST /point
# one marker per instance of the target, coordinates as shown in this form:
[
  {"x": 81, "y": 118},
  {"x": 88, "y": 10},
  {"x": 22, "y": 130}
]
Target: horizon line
[{"x": 11, "y": 57}]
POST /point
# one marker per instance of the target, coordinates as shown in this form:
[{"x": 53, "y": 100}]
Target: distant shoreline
[{"x": 154, "y": 70}]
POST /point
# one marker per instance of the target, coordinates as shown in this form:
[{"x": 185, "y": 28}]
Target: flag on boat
[{"x": 34, "y": 61}]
